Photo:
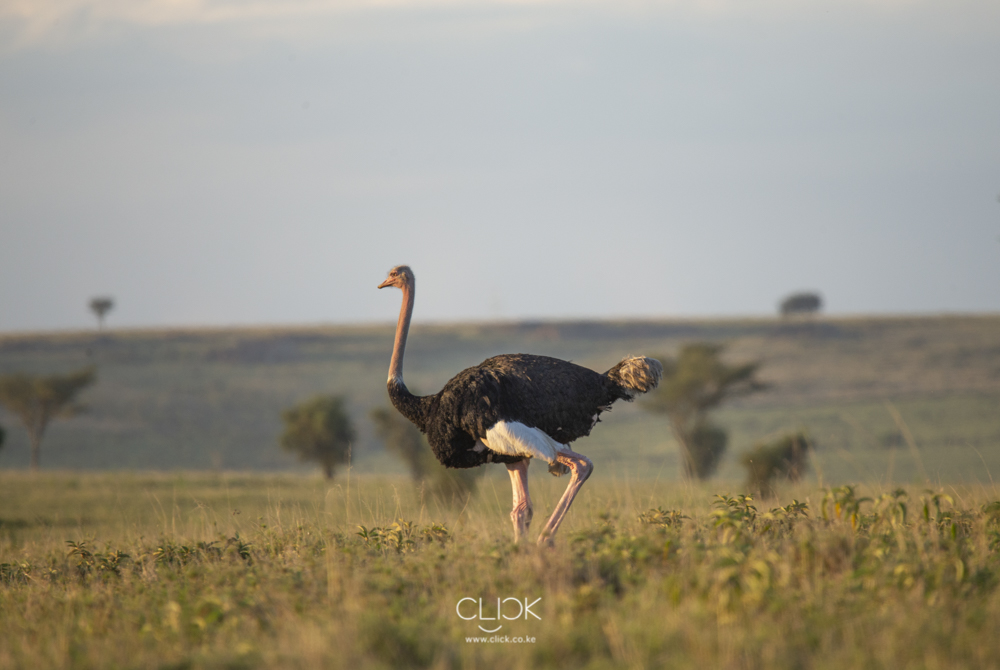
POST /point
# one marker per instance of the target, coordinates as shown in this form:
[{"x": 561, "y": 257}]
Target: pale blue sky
[{"x": 217, "y": 163}]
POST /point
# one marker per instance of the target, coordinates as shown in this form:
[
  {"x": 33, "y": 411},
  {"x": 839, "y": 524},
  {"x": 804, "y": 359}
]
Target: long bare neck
[
  {"x": 402, "y": 330},
  {"x": 412, "y": 407}
]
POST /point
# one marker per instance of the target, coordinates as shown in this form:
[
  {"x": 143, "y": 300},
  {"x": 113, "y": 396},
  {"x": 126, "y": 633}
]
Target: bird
[{"x": 514, "y": 408}]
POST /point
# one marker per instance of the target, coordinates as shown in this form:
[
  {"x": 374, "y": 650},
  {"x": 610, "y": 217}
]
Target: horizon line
[{"x": 445, "y": 323}]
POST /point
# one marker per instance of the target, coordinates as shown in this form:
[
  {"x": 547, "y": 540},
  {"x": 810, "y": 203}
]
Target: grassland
[
  {"x": 183, "y": 400},
  {"x": 891, "y": 559},
  {"x": 254, "y": 571}
]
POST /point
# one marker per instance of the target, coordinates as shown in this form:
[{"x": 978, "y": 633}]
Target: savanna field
[
  {"x": 167, "y": 530},
  {"x": 237, "y": 571}
]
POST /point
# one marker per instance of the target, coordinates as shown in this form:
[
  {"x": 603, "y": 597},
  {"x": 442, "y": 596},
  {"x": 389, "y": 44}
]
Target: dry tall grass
[{"x": 212, "y": 571}]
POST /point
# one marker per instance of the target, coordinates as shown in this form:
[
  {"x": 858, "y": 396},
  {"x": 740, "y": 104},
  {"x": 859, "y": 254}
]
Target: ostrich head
[{"x": 400, "y": 277}]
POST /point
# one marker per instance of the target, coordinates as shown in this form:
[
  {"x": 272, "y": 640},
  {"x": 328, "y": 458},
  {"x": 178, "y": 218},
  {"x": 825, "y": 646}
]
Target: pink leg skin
[
  {"x": 580, "y": 467},
  {"x": 522, "y": 512}
]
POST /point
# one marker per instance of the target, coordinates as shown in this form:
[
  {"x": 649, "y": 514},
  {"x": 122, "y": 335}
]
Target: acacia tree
[
  {"x": 38, "y": 400},
  {"x": 695, "y": 383},
  {"x": 101, "y": 306},
  {"x": 319, "y": 430},
  {"x": 406, "y": 441}
]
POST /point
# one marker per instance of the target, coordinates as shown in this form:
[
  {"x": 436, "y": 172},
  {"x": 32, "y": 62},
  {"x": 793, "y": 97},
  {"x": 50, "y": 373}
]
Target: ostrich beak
[{"x": 387, "y": 282}]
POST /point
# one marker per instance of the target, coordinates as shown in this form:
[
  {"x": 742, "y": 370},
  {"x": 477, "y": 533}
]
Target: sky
[{"x": 218, "y": 163}]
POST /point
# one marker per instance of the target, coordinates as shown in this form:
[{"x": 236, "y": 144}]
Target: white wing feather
[{"x": 513, "y": 438}]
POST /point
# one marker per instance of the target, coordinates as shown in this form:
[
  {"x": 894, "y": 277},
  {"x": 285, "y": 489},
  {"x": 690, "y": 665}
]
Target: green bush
[
  {"x": 786, "y": 458},
  {"x": 319, "y": 430}
]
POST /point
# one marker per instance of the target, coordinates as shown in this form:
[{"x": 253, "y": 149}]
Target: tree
[
  {"x": 101, "y": 306},
  {"x": 695, "y": 383},
  {"x": 405, "y": 440},
  {"x": 319, "y": 430},
  {"x": 38, "y": 400},
  {"x": 801, "y": 303},
  {"x": 787, "y": 457}
]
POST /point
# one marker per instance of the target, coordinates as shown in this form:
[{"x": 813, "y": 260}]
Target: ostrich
[{"x": 512, "y": 408}]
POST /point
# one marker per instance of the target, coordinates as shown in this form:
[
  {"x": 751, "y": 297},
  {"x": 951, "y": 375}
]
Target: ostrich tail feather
[{"x": 636, "y": 374}]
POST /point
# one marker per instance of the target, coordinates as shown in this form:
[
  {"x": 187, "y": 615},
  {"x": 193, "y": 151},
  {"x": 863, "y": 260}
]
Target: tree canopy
[
  {"x": 320, "y": 430},
  {"x": 801, "y": 303},
  {"x": 694, "y": 383},
  {"x": 101, "y": 306},
  {"x": 36, "y": 400}
]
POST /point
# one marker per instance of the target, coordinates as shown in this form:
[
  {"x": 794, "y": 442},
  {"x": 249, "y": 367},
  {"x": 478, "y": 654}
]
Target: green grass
[{"x": 247, "y": 571}]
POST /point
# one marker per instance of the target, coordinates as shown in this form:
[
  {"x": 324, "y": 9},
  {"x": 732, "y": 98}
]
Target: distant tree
[
  {"x": 786, "y": 457},
  {"x": 801, "y": 303},
  {"x": 101, "y": 306},
  {"x": 38, "y": 400},
  {"x": 319, "y": 430},
  {"x": 695, "y": 383},
  {"x": 3, "y": 434},
  {"x": 404, "y": 440}
]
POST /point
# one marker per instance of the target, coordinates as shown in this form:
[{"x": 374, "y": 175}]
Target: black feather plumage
[{"x": 560, "y": 398}]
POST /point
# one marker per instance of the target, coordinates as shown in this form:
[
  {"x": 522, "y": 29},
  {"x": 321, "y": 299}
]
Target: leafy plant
[
  {"x": 436, "y": 532},
  {"x": 168, "y": 552},
  {"x": 784, "y": 518},
  {"x": 15, "y": 572},
  {"x": 662, "y": 518},
  {"x": 933, "y": 499},
  {"x": 398, "y": 537},
  {"x": 106, "y": 562},
  {"x": 734, "y": 518},
  {"x": 892, "y": 507},
  {"x": 842, "y": 503}
]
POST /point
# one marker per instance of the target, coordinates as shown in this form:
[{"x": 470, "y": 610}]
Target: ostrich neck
[
  {"x": 413, "y": 407},
  {"x": 402, "y": 329}
]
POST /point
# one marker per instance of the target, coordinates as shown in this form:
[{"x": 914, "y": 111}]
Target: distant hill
[{"x": 200, "y": 399}]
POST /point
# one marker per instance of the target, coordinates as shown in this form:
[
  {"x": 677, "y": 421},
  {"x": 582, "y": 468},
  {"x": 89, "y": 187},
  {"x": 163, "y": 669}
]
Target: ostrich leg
[
  {"x": 522, "y": 512},
  {"x": 580, "y": 467}
]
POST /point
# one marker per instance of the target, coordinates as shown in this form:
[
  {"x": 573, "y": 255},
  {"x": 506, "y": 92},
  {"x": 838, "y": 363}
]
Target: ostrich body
[{"x": 512, "y": 408}]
